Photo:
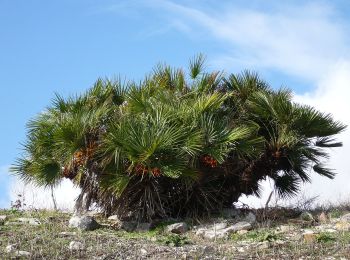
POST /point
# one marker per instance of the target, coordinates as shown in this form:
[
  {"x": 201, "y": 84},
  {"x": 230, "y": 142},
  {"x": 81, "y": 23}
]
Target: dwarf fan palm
[{"x": 177, "y": 145}]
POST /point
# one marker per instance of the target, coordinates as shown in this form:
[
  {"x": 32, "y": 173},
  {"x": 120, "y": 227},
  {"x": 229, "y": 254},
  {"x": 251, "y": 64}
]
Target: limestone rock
[
  {"x": 306, "y": 216},
  {"x": 76, "y": 246},
  {"x": 177, "y": 228},
  {"x": 214, "y": 232},
  {"x": 143, "y": 251},
  {"x": 220, "y": 225},
  {"x": 345, "y": 218},
  {"x": 239, "y": 226},
  {"x": 113, "y": 218},
  {"x": 30, "y": 221},
  {"x": 21, "y": 253},
  {"x": 11, "y": 248},
  {"x": 241, "y": 249},
  {"x": 83, "y": 223},
  {"x": 2, "y": 220}
]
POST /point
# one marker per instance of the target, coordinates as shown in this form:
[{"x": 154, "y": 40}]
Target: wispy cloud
[{"x": 302, "y": 40}]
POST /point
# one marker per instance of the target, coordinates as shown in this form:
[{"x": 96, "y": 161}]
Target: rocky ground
[{"x": 236, "y": 234}]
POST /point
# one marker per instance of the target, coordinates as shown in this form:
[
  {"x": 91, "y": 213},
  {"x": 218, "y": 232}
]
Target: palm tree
[{"x": 177, "y": 145}]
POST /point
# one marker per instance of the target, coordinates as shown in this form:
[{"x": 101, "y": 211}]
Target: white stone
[
  {"x": 239, "y": 226},
  {"x": 3, "y": 218},
  {"x": 345, "y": 217},
  {"x": 213, "y": 233},
  {"x": 241, "y": 249},
  {"x": 200, "y": 231},
  {"x": 30, "y": 221},
  {"x": 23, "y": 253},
  {"x": 306, "y": 216},
  {"x": 83, "y": 223},
  {"x": 308, "y": 231},
  {"x": 220, "y": 225},
  {"x": 11, "y": 248},
  {"x": 143, "y": 251},
  {"x": 76, "y": 246},
  {"x": 279, "y": 242},
  {"x": 113, "y": 218},
  {"x": 177, "y": 228}
]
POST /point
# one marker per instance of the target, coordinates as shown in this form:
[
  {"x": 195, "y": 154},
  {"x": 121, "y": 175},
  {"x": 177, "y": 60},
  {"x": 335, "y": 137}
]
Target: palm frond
[{"x": 196, "y": 65}]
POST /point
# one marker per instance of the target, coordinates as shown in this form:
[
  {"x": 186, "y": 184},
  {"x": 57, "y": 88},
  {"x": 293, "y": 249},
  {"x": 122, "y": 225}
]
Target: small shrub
[
  {"x": 325, "y": 238},
  {"x": 175, "y": 240},
  {"x": 336, "y": 213}
]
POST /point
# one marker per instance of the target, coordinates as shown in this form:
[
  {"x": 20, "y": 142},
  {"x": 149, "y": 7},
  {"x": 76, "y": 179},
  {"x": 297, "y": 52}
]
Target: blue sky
[{"x": 64, "y": 46}]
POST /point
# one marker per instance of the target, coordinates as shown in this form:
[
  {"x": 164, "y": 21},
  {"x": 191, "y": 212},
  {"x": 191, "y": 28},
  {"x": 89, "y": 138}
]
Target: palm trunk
[{"x": 53, "y": 199}]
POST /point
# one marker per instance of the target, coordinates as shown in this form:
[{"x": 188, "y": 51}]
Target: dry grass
[{"x": 46, "y": 241}]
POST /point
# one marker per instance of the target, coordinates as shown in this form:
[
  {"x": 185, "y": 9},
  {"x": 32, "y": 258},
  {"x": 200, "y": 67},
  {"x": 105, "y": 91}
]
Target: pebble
[{"x": 76, "y": 246}]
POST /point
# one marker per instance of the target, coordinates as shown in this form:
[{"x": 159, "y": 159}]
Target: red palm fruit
[
  {"x": 209, "y": 161},
  {"x": 156, "y": 172}
]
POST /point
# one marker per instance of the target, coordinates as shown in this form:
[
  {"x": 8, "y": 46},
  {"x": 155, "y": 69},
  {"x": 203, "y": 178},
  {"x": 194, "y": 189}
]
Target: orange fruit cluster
[
  {"x": 141, "y": 170},
  {"x": 209, "y": 161},
  {"x": 79, "y": 158},
  {"x": 82, "y": 155},
  {"x": 156, "y": 172}
]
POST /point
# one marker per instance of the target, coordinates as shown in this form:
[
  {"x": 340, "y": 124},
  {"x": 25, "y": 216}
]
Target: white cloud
[
  {"x": 303, "y": 41},
  {"x": 38, "y": 197},
  {"x": 332, "y": 96},
  {"x": 4, "y": 186},
  {"x": 32, "y": 196}
]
